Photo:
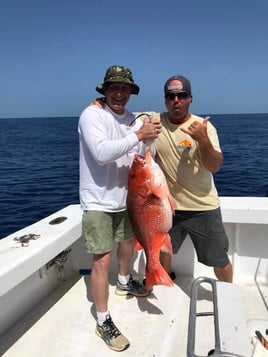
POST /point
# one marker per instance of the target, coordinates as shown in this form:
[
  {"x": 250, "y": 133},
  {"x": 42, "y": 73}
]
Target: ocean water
[{"x": 39, "y": 164}]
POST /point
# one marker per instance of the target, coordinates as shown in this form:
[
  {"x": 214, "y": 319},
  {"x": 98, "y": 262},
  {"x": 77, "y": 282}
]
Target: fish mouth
[{"x": 140, "y": 159}]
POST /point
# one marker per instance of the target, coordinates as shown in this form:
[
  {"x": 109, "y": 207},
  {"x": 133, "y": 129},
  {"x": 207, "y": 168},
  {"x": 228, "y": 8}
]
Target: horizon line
[{"x": 77, "y": 116}]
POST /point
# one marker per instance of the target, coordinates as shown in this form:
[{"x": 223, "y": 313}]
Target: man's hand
[
  {"x": 197, "y": 130},
  {"x": 149, "y": 130},
  {"x": 211, "y": 158},
  {"x": 99, "y": 102}
]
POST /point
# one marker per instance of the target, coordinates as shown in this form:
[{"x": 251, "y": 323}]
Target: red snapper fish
[{"x": 150, "y": 207}]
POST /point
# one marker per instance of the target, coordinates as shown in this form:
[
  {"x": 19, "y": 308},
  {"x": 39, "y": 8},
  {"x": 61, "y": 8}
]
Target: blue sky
[{"x": 53, "y": 53}]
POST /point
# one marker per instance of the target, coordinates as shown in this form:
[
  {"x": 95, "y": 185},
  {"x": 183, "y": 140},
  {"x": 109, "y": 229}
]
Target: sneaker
[
  {"x": 133, "y": 287},
  {"x": 112, "y": 336}
]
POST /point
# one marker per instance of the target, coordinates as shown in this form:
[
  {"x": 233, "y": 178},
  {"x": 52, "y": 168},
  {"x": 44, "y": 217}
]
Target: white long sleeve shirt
[{"x": 108, "y": 144}]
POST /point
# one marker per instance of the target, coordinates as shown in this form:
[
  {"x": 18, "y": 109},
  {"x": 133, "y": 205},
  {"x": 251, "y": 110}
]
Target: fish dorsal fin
[{"x": 172, "y": 203}]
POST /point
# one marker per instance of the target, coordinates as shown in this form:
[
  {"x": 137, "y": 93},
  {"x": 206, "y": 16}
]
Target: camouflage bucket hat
[{"x": 118, "y": 74}]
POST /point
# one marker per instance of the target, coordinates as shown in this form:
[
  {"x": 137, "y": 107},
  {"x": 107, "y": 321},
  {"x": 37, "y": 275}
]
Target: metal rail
[{"x": 193, "y": 314}]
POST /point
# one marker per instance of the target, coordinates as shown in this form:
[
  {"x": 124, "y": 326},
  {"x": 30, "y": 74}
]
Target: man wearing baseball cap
[
  {"x": 109, "y": 138},
  {"x": 188, "y": 151}
]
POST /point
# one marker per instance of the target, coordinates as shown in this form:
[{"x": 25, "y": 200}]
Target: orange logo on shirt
[{"x": 185, "y": 144}]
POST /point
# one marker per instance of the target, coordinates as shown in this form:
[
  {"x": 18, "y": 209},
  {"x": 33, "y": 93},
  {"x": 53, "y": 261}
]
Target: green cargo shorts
[{"x": 101, "y": 229}]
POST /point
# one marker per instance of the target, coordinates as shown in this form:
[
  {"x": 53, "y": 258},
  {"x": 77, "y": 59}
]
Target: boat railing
[
  {"x": 230, "y": 327},
  {"x": 33, "y": 247}
]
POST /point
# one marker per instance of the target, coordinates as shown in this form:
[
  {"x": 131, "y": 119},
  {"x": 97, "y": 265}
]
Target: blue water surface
[
  {"x": 39, "y": 169},
  {"x": 39, "y": 164}
]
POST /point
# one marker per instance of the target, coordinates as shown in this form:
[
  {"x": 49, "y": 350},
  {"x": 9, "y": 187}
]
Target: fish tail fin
[
  {"x": 157, "y": 276},
  {"x": 155, "y": 273}
]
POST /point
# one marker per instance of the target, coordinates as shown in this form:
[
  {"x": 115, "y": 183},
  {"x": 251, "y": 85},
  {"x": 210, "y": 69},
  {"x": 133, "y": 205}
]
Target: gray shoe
[
  {"x": 112, "y": 336},
  {"x": 133, "y": 287}
]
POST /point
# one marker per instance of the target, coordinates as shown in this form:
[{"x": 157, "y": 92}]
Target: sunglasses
[{"x": 179, "y": 95}]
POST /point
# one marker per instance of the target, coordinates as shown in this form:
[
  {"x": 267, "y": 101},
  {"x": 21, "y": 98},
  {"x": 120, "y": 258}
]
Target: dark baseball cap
[{"x": 185, "y": 84}]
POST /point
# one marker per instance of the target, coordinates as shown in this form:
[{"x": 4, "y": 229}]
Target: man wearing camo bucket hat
[
  {"x": 109, "y": 138},
  {"x": 118, "y": 74}
]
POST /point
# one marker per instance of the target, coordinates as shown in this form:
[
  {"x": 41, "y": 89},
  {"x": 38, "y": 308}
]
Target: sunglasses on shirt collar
[{"x": 179, "y": 95}]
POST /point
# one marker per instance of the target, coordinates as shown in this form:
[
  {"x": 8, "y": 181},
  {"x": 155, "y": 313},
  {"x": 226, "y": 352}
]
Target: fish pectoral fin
[
  {"x": 155, "y": 200},
  {"x": 138, "y": 245}
]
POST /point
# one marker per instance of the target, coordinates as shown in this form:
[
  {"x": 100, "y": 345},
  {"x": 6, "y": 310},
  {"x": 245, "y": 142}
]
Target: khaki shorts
[{"x": 101, "y": 229}]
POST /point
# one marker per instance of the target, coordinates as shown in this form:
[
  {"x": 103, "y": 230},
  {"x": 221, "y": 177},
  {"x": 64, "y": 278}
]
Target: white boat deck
[
  {"x": 156, "y": 325},
  {"x": 68, "y": 328},
  {"x": 63, "y": 323}
]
